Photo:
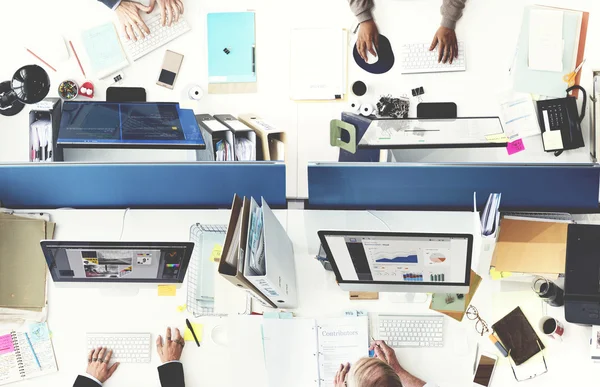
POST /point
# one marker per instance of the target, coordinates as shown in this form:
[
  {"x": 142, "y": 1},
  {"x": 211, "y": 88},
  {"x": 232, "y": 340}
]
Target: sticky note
[
  {"x": 499, "y": 137},
  {"x": 515, "y": 147},
  {"x": 198, "y": 328},
  {"x": 167, "y": 290},
  {"x": 182, "y": 308},
  {"x": 552, "y": 140},
  {"x": 215, "y": 256},
  {"x": 39, "y": 332},
  {"x": 6, "y": 344}
]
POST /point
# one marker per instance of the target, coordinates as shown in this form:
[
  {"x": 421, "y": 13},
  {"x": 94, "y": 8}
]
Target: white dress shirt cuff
[
  {"x": 93, "y": 378},
  {"x": 116, "y": 5},
  {"x": 177, "y": 361}
]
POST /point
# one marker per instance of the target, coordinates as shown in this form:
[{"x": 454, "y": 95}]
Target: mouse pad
[{"x": 385, "y": 55}]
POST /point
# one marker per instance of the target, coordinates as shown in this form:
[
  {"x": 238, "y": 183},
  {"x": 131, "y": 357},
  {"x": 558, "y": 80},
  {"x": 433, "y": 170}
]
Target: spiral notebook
[{"x": 26, "y": 354}]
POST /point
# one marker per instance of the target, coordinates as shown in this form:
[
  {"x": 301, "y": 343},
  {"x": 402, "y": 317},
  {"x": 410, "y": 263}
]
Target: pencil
[
  {"x": 77, "y": 57},
  {"x": 40, "y": 59}
]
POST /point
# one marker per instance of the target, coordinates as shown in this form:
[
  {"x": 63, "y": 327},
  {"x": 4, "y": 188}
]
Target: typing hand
[
  {"x": 98, "y": 360},
  {"x": 132, "y": 23},
  {"x": 445, "y": 40},
  {"x": 387, "y": 354},
  {"x": 368, "y": 39},
  {"x": 169, "y": 10},
  {"x": 172, "y": 348},
  {"x": 340, "y": 376}
]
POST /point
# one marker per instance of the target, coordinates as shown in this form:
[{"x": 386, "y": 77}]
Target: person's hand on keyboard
[
  {"x": 98, "y": 360},
  {"x": 368, "y": 39},
  {"x": 387, "y": 354},
  {"x": 445, "y": 40},
  {"x": 169, "y": 10},
  {"x": 132, "y": 23},
  {"x": 172, "y": 348}
]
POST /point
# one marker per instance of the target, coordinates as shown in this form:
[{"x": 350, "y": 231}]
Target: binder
[
  {"x": 231, "y": 266},
  {"x": 218, "y": 132},
  {"x": 549, "y": 83},
  {"x": 271, "y": 141},
  {"x": 239, "y": 130},
  {"x": 277, "y": 281}
]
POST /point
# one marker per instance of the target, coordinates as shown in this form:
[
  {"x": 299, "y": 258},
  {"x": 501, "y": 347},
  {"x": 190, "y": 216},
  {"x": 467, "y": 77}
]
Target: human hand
[
  {"x": 133, "y": 24},
  {"x": 171, "y": 350},
  {"x": 386, "y": 354},
  {"x": 368, "y": 39},
  {"x": 169, "y": 10},
  {"x": 340, "y": 376},
  {"x": 98, "y": 360},
  {"x": 445, "y": 39}
]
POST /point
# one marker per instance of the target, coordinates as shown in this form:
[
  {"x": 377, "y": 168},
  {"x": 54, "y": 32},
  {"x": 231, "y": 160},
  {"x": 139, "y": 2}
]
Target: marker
[
  {"x": 499, "y": 345},
  {"x": 191, "y": 328},
  {"x": 34, "y": 354}
]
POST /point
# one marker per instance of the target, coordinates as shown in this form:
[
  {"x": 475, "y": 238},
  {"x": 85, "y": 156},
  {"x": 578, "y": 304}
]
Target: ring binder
[{"x": 18, "y": 355}]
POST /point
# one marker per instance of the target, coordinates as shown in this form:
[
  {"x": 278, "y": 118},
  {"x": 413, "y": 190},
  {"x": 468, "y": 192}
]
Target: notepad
[
  {"x": 198, "y": 329},
  {"x": 104, "y": 50},
  {"x": 518, "y": 336}
]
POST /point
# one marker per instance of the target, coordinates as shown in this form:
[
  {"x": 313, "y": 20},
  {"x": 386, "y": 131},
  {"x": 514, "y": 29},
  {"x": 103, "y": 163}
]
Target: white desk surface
[
  {"x": 489, "y": 29},
  {"x": 73, "y": 312}
]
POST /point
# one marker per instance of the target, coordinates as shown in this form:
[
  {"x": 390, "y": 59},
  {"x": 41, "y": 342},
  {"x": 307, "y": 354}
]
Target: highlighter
[{"x": 499, "y": 345}]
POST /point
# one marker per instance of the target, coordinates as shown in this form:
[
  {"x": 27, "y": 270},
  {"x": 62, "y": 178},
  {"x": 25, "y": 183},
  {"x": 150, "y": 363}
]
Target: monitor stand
[{"x": 408, "y": 298}]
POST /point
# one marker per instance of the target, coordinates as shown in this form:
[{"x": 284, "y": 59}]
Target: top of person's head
[{"x": 372, "y": 372}]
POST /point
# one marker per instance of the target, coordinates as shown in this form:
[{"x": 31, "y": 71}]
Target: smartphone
[
  {"x": 485, "y": 370},
  {"x": 170, "y": 69}
]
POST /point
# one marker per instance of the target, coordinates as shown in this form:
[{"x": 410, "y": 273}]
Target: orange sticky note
[{"x": 167, "y": 290}]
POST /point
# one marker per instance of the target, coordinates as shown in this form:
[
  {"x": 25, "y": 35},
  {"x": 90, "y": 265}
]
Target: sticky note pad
[
  {"x": 198, "y": 328},
  {"x": 500, "y": 137},
  {"x": 6, "y": 344},
  {"x": 515, "y": 147},
  {"x": 167, "y": 290},
  {"x": 215, "y": 256},
  {"x": 552, "y": 140},
  {"x": 39, "y": 332}
]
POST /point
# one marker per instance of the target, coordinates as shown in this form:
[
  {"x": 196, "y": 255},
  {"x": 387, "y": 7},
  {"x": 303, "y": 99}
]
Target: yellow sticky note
[
  {"x": 198, "y": 328},
  {"x": 499, "y": 137},
  {"x": 167, "y": 290},
  {"x": 182, "y": 308},
  {"x": 215, "y": 256}
]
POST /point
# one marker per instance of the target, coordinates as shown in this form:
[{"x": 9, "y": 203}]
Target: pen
[
  {"x": 41, "y": 60},
  {"x": 191, "y": 328},
  {"x": 34, "y": 354}
]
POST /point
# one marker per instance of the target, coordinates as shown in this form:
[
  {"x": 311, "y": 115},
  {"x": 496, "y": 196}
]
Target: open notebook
[
  {"x": 18, "y": 352},
  {"x": 307, "y": 353}
]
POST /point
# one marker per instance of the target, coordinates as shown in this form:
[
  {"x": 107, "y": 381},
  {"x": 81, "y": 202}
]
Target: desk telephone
[{"x": 561, "y": 122}]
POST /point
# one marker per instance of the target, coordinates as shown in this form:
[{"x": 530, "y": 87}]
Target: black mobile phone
[{"x": 125, "y": 94}]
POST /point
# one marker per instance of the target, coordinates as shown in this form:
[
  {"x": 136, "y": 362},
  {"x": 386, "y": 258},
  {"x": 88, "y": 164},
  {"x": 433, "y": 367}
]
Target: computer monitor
[
  {"x": 399, "y": 262},
  {"x": 117, "y": 262}
]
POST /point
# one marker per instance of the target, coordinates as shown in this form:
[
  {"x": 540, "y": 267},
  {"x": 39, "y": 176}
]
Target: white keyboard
[
  {"x": 416, "y": 58},
  {"x": 410, "y": 330},
  {"x": 159, "y": 36},
  {"x": 127, "y": 347}
]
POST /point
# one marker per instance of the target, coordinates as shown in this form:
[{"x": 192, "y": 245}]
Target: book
[
  {"x": 19, "y": 350},
  {"x": 518, "y": 336},
  {"x": 306, "y": 352}
]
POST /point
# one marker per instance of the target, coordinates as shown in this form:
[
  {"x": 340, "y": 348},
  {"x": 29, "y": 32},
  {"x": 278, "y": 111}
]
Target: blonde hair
[{"x": 372, "y": 372}]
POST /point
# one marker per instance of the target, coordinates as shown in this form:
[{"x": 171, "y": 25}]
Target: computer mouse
[{"x": 372, "y": 59}]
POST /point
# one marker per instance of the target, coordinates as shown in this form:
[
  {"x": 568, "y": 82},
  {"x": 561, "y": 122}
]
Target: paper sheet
[
  {"x": 546, "y": 43},
  {"x": 518, "y": 114},
  {"x": 104, "y": 50},
  {"x": 318, "y": 71}
]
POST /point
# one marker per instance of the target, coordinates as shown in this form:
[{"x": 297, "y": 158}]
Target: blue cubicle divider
[
  {"x": 169, "y": 185},
  {"x": 437, "y": 186}
]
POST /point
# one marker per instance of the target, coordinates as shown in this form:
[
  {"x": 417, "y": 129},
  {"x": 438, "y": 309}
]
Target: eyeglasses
[
  {"x": 510, "y": 361},
  {"x": 480, "y": 325}
]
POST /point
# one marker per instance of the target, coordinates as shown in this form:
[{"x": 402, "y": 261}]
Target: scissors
[{"x": 570, "y": 77}]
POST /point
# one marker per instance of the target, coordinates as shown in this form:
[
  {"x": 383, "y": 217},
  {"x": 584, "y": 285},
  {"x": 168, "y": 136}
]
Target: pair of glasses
[
  {"x": 480, "y": 325},
  {"x": 510, "y": 361}
]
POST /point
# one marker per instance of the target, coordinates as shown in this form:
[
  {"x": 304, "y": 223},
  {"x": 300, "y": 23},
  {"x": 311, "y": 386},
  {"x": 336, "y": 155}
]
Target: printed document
[{"x": 546, "y": 43}]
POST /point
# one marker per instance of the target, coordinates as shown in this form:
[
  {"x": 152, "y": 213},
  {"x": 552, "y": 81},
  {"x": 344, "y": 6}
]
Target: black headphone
[{"x": 9, "y": 104}]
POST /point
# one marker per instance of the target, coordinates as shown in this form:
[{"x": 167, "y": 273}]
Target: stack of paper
[
  {"x": 245, "y": 150},
  {"x": 104, "y": 51},
  {"x": 23, "y": 266},
  {"x": 491, "y": 215}
]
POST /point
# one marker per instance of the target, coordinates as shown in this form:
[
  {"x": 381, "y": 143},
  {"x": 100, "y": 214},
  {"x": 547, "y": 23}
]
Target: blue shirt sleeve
[{"x": 112, "y": 4}]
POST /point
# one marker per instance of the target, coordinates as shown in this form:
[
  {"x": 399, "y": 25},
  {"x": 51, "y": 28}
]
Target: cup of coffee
[{"x": 552, "y": 327}]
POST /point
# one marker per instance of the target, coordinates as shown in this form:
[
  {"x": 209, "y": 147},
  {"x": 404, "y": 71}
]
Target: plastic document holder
[{"x": 270, "y": 141}]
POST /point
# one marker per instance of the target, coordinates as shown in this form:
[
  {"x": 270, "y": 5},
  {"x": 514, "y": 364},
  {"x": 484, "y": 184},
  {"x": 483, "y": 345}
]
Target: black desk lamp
[{"x": 29, "y": 85}]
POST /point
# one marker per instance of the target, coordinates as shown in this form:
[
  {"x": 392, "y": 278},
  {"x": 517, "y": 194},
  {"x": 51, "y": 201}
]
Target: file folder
[
  {"x": 271, "y": 141},
  {"x": 218, "y": 132},
  {"x": 240, "y": 131},
  {"x": 231, "y": 266}
]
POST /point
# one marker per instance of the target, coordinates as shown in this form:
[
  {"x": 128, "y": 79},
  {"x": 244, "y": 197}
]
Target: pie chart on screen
[{"x": 437, "y": 258}]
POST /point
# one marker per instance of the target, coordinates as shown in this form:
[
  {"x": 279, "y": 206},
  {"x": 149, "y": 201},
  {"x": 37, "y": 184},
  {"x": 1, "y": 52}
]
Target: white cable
[
  {"x": 381, "y": 220},
  {"x": 123, "y": 223}
]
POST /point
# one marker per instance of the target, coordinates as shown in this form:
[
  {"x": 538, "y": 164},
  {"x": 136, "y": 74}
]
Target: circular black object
[
  {"x": 359, "y": 88},
  {"x": 384, "y": 63},
  {"x": 31, "y": 84},
  {"x": 9, "y": 104}
]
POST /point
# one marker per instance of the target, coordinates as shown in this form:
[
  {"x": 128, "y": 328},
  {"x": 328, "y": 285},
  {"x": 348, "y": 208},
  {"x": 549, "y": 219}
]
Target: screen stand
[
  {"x": 408, "y": 298},
  {"x": 120, "y": 291}
]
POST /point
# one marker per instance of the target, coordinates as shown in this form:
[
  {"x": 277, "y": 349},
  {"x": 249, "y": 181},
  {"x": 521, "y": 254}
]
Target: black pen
[{"x": 189, "y": 325}]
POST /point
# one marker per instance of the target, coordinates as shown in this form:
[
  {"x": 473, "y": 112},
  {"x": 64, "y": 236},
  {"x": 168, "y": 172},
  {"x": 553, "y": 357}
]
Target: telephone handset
[{"x": 560, "y": 122}]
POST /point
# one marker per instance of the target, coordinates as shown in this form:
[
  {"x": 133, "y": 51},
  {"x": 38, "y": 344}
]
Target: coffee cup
[{"x": 552, "y": 327}]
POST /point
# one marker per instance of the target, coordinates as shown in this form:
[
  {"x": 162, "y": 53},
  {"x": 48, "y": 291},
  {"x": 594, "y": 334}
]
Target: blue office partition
[
  {"x": 167, "y": 185},
  {"x": 450, "y": 187}
]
